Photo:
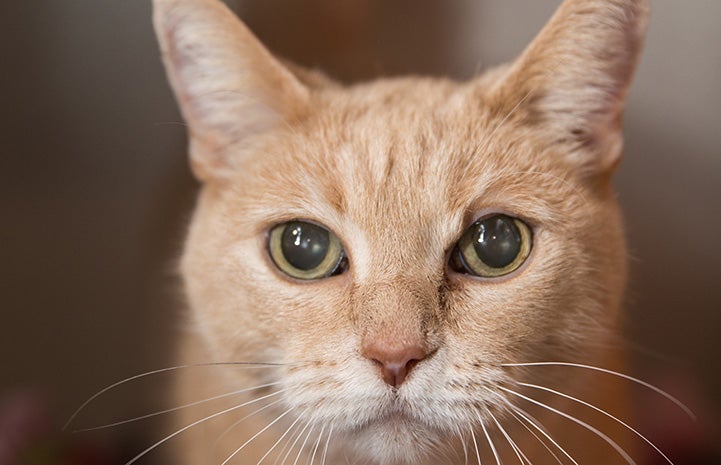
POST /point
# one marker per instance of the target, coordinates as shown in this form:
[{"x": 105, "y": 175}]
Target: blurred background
[{"x": 96, "y": 193}]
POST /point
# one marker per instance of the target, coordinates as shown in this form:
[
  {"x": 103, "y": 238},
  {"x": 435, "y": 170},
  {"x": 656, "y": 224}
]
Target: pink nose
[{"x": 395, "y": 362}]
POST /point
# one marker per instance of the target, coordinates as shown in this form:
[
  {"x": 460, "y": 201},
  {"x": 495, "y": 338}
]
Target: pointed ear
[
  {"x": 228, "y": 86},
  {"x": 572, "y": 79}
]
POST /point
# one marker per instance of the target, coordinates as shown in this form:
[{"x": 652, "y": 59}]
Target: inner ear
[
  {"x": 571, "y": 81},
  {"x": 228, "y": 86}
]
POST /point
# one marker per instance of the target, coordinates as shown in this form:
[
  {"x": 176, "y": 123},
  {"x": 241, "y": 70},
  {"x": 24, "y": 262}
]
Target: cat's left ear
[
  {"x": 228, "y": 86},
  {"x": 571, "y": 81}
]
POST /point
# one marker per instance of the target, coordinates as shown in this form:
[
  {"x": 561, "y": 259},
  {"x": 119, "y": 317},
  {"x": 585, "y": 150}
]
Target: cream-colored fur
[{"x": 398, "y": 169}]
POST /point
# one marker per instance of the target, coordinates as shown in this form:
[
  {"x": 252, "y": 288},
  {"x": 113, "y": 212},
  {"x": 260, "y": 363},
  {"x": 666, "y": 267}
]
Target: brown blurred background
[{"x": 96, "y": 192}]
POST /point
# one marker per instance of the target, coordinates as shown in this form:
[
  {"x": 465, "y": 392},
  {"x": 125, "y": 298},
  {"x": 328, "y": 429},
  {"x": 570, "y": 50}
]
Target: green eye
[
  {"x": 306, "y": 251},
  {"x": 492, "y": 247}
]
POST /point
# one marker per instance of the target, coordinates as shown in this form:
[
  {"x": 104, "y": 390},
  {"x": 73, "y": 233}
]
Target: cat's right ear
[{"x": 228, "y": 86}]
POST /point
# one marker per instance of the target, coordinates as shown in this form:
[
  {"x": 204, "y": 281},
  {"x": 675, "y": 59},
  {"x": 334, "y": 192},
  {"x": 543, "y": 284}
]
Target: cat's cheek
[
  {"x": 511, "y": 318},
  {"x": 225, "y": 278}
]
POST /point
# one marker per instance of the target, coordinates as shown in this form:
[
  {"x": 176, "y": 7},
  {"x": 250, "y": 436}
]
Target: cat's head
[{"x": 396, "y": 241}]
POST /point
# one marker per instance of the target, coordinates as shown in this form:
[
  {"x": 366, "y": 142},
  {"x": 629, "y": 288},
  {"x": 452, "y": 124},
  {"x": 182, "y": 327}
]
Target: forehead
[
  {"x": 387, "y": 146},
  {"x": 392, "y": 156}
]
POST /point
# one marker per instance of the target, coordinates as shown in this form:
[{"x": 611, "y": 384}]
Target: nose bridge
[
  {"x": 397, "y": 308},
  {"x": 396, "y": 320}
]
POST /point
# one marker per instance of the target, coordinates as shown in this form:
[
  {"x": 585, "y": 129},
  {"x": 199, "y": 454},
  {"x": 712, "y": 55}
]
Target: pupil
[
  {"x": 305, "y": 245},
  {"x": 497, "y": 241}
]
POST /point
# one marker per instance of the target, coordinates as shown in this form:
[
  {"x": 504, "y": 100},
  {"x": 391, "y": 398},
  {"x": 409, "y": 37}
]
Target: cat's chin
[{"x": 395, "y": 439}]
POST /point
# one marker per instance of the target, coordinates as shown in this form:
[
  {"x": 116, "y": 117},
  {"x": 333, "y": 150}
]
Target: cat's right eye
[{"x": 306, "y": 251}]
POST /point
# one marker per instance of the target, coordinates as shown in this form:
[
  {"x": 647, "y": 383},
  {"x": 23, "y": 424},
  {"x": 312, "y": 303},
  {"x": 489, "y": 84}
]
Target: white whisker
[
  {"x": 279, "y": 440},
  {"x": 327, "y": 444},
  {"x": 599, "y": 433},
  {"x": 525, "y": 416},
  {"x": 475, "y": 445},
  {"x": 230, "y": 428},
  {"x": 302, "y": 446},
  {"x": 288, "y": 443},
  {"x": 174, "y": 409},
  {"x": 490, "y": 442},
  {"x": 514, "y": 446},
  {"x": 295, "y": 441},
  {"x": 317, "y": 444},
  {"x": 195, "y": 423},
  {"x": 610, "y": 372},
  {"x": 256, "y": 435},
  {"x": 164, "y": 370},
  {"x": 463, "y": 444},
  {"x": 600, "y": 411}
]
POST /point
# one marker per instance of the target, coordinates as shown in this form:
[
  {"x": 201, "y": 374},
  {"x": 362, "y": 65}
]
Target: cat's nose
[{"x": 395, "y": 361}]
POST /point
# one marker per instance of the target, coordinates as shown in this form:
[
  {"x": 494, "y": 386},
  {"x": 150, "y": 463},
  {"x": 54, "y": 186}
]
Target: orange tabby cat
[{"x": 404, "y": 264}]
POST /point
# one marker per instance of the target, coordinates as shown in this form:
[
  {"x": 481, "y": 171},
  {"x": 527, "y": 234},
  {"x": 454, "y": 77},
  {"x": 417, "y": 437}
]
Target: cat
[{"x": 410, "y": 270}]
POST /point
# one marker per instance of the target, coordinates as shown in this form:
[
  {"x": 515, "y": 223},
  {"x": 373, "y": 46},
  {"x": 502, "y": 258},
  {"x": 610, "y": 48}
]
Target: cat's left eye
[
  {"x": 491, "y": 247},
  {"x": 306, "y": 251}
]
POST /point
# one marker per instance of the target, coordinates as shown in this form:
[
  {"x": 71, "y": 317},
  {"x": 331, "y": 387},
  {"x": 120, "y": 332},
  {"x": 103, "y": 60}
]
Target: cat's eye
[
  {"x": 304, "y": 250},
  {"x": 491, "y": 247}
]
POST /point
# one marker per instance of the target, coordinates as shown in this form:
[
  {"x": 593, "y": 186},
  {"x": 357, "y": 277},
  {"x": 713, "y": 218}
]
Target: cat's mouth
[{"x": 398, "y": 413}]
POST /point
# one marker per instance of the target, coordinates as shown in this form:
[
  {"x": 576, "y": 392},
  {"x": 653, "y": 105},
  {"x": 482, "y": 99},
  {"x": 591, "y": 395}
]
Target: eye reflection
[
  {"x": 492, "y": 247},
  {"x": 305, "y": 245}
]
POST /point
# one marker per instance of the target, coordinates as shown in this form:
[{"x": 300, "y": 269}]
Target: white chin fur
[{"x": 394, "y": 441}]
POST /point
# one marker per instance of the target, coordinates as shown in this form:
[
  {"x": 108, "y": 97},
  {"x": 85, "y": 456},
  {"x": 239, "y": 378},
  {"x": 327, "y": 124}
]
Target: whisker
[
  {"x": 237, "y": 422},
  {"x": 279, "y": 440},
  {"x": 327, "y": 443},
  {"x": 599, "y": 433},
  {"x": 245, "y": 417},
  {"x": 317, "y": 444},
  {"x": 256, "y": 435},
  {"x": 475, "y": 445},
  {"x": 514, "y": 446},
  {"x": 295, "y": 441},
  {"x": 195, "y": 423},
  {"x": 302, "y": 446},
  {"x": 618, "y": 420},
  {"x": 290, "y": 442},
  {"x": 611, "y": 372},
  {"x": 525, "y": 415},
  {"x": 164, "y": 370},
  {"x": 490, "y": 442},
  {"x": 174, "y": 409},
  {"x": 170, "y": 123},
  {"x": 463, "y": 443},
  {"x": 536, "y": 421}
]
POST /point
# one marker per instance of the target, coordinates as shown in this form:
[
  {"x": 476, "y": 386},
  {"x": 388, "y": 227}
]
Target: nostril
[{"x": 396, "y": 362}]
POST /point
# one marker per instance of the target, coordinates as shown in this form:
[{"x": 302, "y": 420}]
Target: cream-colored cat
[{"x": 398, "y": 259}]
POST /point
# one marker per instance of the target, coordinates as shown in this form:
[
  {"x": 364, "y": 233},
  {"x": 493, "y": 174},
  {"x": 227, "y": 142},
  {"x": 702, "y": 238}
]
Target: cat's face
[
  {"x": 399, "y": 186},
  {"x": 397, "y": 342}
]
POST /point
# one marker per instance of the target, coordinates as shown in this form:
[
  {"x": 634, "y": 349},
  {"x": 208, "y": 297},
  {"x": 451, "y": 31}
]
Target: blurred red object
[
  {"x": 684, "y": 440},
  {"x": 28, "y": 436}
]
